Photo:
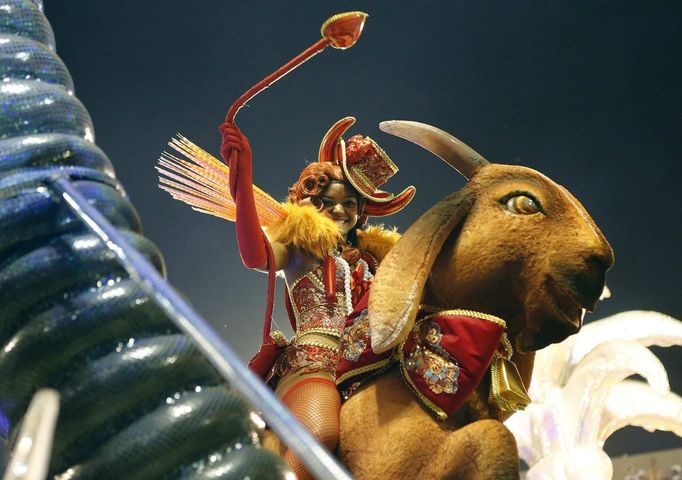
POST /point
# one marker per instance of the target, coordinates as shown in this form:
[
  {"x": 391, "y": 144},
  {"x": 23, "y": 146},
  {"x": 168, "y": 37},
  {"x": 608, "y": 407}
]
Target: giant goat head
[{"x": 511, "y": 243}]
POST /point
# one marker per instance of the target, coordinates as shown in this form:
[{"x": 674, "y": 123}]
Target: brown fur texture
[
  {"x": 393, "y": 306},
  {"x": 385, "y": 433},
  {"x": 536, "y": 270}
]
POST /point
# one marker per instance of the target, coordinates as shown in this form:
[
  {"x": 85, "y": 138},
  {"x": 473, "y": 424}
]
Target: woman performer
[{"x": 328, "y": 261}]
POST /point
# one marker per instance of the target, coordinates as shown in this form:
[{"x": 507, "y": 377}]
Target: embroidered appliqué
[
  {"x": 306, "y": 359},
  {"x": 356, "y": 338},
  {"x": 430, "y": 361}
]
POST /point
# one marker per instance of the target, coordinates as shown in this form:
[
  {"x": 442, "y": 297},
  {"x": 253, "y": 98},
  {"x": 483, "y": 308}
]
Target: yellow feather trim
[
  {"x": 377, "y": 240},
  {"x": 305, "y": 228}
]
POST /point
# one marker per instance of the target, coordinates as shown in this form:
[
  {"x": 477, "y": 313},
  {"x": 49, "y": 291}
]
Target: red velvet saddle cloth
[{"x": 443, "y": 359}]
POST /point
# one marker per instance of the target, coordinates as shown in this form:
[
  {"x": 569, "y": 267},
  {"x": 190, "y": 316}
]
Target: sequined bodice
[{"x": 312, "y": 311}]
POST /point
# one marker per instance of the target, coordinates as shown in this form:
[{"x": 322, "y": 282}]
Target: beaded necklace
[{"x": 345, "y": 268}]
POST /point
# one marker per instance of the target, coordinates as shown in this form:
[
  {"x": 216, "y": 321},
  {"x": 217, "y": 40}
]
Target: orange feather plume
[{"x": 203, "y": 182}]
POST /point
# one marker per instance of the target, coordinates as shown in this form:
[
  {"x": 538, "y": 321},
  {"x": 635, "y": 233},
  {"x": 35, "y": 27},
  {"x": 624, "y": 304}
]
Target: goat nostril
[
  {"x": 589, "y": 284},
  {"x": 601, "y": 261}
]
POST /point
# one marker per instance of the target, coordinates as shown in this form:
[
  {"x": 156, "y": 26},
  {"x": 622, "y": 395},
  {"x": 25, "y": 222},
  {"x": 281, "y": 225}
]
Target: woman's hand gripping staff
[{"x": 236, "y": 151}]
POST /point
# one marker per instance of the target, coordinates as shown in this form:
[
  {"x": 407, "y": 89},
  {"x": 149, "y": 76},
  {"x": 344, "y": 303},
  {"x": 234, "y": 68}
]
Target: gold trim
[
  {"x": 429, "y": 308},
  {"x": 495, "y": 396},
  {"x": 318, "y": 343},
  {"x": 311, "y": 331},
  {"x": 495, "y": 384},
  {"x": 382, "y": 153},
  {"x": 507, "y": 347},
  {"x": 316, "y": 281},
  {"x": 293, "y": 284},
  {"x": 440, "y": 413},
  {"x": 279, "y": 338},
  {"x": 512, "y": 383},
  {"x": 374, "y": 259},
  {"x": 363, "y": 180},
  {"x": 358, "y": 179},
  {"x": 337, "y": 16},
  {"x": 397, "y": 209},
  {"x": 321, "y": 330},
  {"x": 494, "y": 367},
  {"x": 467, "y": 313},
  {"x": 367, "y": 368},
  {"x": 294, "y": 308}
]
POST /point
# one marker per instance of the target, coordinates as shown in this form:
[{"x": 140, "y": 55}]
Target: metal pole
[
  {"x": 31, "y": 457},
  {"x": 318, "y": 460}
]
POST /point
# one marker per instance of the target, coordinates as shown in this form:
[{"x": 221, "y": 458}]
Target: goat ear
[{"x": 398, "y": 286}]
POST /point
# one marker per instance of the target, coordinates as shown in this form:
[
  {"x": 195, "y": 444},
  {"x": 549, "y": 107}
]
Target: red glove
[{"x": 236, "y": 152}]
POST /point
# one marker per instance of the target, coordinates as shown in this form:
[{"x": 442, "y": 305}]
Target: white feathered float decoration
[{"x": 582, "y": 393}]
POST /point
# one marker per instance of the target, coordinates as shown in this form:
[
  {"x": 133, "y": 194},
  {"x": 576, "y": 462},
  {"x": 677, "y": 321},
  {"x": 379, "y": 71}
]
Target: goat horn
[{"x": 454, "y": 152}]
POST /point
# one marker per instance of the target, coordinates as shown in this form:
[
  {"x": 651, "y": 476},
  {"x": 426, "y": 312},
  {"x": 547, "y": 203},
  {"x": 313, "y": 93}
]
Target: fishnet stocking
[{"x": 316, "y": 403}]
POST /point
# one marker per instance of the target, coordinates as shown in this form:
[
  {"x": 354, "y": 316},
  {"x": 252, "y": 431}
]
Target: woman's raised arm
[{"x": 250, "y": 237}]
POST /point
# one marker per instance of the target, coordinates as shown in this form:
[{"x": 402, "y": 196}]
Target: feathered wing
[{"x": 203, "y": 182}]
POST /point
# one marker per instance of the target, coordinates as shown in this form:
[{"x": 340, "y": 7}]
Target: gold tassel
[{"x": 507, "y": 390}]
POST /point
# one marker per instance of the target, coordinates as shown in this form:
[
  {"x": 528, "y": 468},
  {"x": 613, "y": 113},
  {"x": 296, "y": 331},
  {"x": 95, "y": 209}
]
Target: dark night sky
[{"x": 587, "y": 92}]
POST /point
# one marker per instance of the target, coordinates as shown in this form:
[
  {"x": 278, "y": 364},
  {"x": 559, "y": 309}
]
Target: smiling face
[
  {"x": 340, "y": 202},
  {"x": 323, "y": 185}
]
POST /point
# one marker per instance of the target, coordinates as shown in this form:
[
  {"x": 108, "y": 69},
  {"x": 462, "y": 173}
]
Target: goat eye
[{"x": 523, "y": 205}]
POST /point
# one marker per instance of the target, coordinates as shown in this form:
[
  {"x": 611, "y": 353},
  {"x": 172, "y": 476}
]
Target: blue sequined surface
[{"x": 138, "y": 398}]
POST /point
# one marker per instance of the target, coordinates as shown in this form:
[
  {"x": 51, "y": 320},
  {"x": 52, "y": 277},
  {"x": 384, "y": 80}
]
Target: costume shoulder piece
[
  {"x": 306, "y": 228},
  {"x": 377, "y": 240}
]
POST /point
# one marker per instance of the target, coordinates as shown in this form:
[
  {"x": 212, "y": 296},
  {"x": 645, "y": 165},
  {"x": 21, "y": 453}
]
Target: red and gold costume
[
  {"x": 316, "y": 300},
  {"x": 319, "y": 324},
  {"x": 333, "y": 273}
]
